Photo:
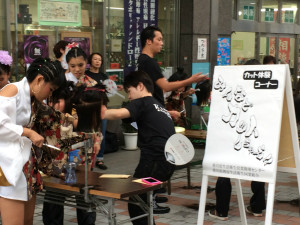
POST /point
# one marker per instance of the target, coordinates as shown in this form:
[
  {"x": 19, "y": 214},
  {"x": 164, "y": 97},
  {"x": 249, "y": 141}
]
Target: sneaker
[
  {"x": 157, "y": 209},
  {"x": 249, "y": 210},
  {"x": 100, "y": 164},
  {"x": 214, "y": 214}
]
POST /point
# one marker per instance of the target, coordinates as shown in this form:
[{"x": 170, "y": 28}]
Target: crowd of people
[{"x": 74, "y": 99}]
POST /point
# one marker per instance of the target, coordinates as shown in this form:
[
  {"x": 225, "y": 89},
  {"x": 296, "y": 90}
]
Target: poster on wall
[
  {"x": 245, "y": 122},
  {"x": 223, "y": 52},
  {"x": 35, "y": 47},
  {"x": 202, "y": 49},
  {"x": 137, "y": 16},
  {"x": 59, "y": 12},
  {"x": 83, "y": 39}
]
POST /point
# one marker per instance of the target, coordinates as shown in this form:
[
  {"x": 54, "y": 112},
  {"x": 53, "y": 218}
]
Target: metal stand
[{"x": 87, "y": 144}]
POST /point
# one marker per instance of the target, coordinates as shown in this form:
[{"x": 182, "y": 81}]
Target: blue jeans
[{"x": 102, "y": 146}]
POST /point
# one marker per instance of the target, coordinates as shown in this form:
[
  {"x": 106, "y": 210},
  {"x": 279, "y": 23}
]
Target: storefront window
[
  {"x": 269, "y": 10},
  {"x": 166, "y": 21},
  {"x": 2, "y": 24},
  {"x": 267, "y": 47},
  {"x": 289, "y": 11},
  {"x": 233, "y": 9},
  {"x": 41, "y": 24},
  {"x": 115, "y": 35},
  {"x": 246, "y": 9},
  {"x": 242, "y": 47}
]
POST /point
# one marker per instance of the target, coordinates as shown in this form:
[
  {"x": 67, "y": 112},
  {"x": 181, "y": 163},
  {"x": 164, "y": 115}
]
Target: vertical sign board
[
  {"x": 245, "y": 120},
  {"x": 252, "y": 128},
  {"x": 137, "y": 15},
  {"x": 202, "y": 49}
]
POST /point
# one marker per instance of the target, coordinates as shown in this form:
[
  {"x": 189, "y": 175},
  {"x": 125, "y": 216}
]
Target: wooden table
[
  {"x": 101, "y": 194},
  {"x": 198, "y": 134}
]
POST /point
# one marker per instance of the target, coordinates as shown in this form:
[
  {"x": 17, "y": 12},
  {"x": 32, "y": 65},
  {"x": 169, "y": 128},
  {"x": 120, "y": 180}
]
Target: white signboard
[
  {"x": 245, "y": 122},
  {"x": 202, "y": 49}
]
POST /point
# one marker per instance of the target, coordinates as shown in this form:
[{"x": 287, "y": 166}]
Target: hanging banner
[
  {"x": 284, "y": 50},
  {"x": 137, "y": 15}
]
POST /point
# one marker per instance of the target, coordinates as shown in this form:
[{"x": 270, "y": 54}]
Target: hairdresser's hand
[
  {"x": 190, "y": 91},
  {"x": 198, "y": 77},
  {"x": 96, "y": 147},
  {"x": 174, "y": 114},
  {"x": 36, "y": 139},
  {"x": 120, "y": 87}
]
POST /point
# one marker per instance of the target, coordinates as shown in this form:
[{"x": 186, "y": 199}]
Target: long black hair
[
  {"x": 203, "y": 90},
  {"x": 87, "y": 101},
  {"x": 52, "y": 71}
]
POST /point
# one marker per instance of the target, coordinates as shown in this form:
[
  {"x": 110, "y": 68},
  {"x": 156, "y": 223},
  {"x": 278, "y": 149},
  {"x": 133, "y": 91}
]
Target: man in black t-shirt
[
  {"x": 152, "y": 42},
  {"x": 155, "y": 126}
]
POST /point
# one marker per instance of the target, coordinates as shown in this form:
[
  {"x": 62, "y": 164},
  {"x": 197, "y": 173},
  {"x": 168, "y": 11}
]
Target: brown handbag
[{"x": 3, "y": 180}]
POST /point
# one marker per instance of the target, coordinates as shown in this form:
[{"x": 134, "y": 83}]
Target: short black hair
[
  {"x": 252, "y": 62},
  {"x": 203, "y": 93},
  {"x": 58, "y": 46},
  {"x": 91, "y": 56},
  {"x": 4, "y": 69},
  {"x": 74, "y": 53},
  {"x": 268, "y": 59},
  {"x": 134, "y": 78},
  {"x": 178, "y": 75},
  {"x": 148, "y": 33}
]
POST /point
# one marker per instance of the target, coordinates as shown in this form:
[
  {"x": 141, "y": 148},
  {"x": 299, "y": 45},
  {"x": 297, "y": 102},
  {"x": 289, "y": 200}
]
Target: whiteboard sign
[{"x": 245, "y": 122}]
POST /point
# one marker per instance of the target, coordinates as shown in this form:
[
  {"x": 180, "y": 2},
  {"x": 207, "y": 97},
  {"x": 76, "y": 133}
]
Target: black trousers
[
  {"x": 158, "y": 169},
  {"x": 223, "y": 194},
  {"x": 53, "y": 214}
]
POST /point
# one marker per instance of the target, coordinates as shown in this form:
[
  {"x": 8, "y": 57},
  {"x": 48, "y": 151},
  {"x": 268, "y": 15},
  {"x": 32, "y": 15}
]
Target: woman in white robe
[{"x": 42, "y": 78}]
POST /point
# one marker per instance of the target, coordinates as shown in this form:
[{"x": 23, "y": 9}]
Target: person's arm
[
  {"x": 172, "y": 86},
  {"x": 115, "y": 114},
  {"x": 10, "y": 130},
  {"x": 36, "y": 139},
  {"x": 188, "y": 92}
]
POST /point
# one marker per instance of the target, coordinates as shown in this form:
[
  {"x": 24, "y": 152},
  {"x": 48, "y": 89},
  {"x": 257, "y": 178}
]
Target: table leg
[
  {"x": 111, "y": 213},
  {"x": 150, "y": 205},
  {"x": 188, "y": 170}
]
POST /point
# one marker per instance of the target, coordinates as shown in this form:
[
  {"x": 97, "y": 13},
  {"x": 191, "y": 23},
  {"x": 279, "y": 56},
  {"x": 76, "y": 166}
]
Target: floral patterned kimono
[{"x": 49, "y": 123}]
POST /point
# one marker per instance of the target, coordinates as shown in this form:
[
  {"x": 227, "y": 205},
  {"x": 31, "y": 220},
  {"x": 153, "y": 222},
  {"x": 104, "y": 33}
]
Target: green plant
[{"x": 126, "y": 123}]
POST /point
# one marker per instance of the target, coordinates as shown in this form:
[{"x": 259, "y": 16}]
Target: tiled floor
[{"x": 183, "y": 201}]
